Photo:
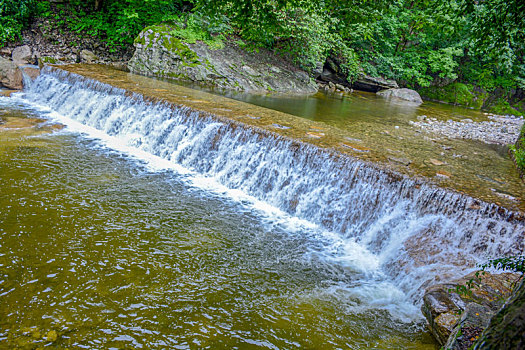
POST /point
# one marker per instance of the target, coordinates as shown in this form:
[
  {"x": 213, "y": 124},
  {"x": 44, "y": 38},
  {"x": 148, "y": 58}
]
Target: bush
[
  {"x": 14, "y": 16},
  {"x": 118, "y": 22},
  {"x": 518, "y": 150}
]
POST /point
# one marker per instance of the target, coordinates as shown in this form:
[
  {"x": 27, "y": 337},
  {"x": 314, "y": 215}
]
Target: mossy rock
[
  {"x": 48, "y": 59},
  {"x": 457, "y": 94},
  {"x": 502, "y": 106},
  {"x": 185, "y": 54}
]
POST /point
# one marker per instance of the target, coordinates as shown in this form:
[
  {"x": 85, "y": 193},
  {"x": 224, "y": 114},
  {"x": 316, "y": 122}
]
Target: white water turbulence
[{"x": 393, "y": 230}]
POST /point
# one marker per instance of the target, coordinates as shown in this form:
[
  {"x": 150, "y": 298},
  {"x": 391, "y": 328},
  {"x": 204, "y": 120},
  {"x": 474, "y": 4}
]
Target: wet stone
[
  {"x": 436, "y": 162},
  {"x": 468, "y": 301}
]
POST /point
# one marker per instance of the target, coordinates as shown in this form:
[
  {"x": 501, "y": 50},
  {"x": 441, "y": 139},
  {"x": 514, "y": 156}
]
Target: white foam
[{"x": 361, "y": 216}]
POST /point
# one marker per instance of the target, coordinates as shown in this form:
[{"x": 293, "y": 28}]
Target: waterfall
[
  {"x": 416, "y": 230},
  {"x": 27, "y": 81}
]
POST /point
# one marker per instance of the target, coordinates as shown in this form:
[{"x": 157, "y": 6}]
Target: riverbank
[
  {"x": 499, "y": 129},
  {"x": 220, "y": 130}
]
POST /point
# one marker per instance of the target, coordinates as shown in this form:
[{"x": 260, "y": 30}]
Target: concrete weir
[{"x": 307, "y": 169}]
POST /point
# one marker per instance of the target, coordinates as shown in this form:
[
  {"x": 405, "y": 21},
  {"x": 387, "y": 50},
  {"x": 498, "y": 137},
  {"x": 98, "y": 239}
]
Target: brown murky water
[{"x": 98, "y": 252}]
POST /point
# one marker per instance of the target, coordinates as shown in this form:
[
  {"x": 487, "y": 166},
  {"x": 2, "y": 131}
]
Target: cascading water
[{"x": 409, "y": 230}]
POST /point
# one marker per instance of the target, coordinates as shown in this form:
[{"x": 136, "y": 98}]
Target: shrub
[{"x": 15, "y": 15}]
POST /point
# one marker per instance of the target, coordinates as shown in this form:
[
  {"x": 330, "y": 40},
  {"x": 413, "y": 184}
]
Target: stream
[{"x": 145, "y": 224}]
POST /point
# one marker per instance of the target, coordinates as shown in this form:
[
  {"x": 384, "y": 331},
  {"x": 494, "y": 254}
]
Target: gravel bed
[{"x": 500, "y": 129}]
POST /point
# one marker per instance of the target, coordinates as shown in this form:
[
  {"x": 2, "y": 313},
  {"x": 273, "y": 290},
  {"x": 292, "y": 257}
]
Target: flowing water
[{"x": 144, "y": 224}]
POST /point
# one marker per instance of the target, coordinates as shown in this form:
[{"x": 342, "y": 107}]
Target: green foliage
[
  {"x": 518, "y": 152},
  {"x": 118, "y": 22},
  {"x": 193, "y": 27},
  {"x": 457, "y": 94},
  {"x": 512, "y": 263},
  {"x": 15, "y": 15},
  {"x": 419, "y": 43},
  {"x": 502, "y": 106},
  {"x": 415, "y": 42}
]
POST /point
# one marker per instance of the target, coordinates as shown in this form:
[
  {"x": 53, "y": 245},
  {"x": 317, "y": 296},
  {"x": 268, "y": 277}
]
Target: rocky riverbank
[
  {"x": 51, "y": 41},
  {"x": 459, "y": 311},
  {"x": 497, "y": 101},
  {"x": 502, "y": 130},
  {"x": 160, "y": 53}
]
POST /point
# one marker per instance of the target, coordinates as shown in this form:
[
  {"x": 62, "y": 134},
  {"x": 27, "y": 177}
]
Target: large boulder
[
  {"x": 373, "y": 84},
  {"x": 402, "y": 94},
  {"x": 506, "y": 330},
  {"x": 332, "y": 72},
  {"x": 158, "y": 52},
  {"x": 22, "y": 55},
  {"x": 457, "y": 312},
  {"x": 10, "y": 75}
]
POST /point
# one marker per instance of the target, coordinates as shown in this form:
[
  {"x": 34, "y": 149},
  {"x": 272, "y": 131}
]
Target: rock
[
  {"x": 506, "y": 329},
  {"x": 373, "y": 84},
  {"x": 122, "y": 66},
  {"x": 159, "y": 53},
  {"x": 22, "y": 55},
  {"x": 5, "y": 51},
  {"x": 403, "y": 161},
  {"x": 52, "y": 336},
  {"x": 340, "y": 87},
  {"x": 332, "y": 72},
  {"x": 448, "y": 306},
  {"x": 250, "y": 71},
  {"x": 436, "y": 162},
  {"x": 474, "y": 319},
  {"x": 88, "y": 56},
  {"x": 318, "y": 70},
  {"x": 443, "y": 174},
  {"x": 402, "y": 94},
  {"x": 10, "y": 75},
  {"x": 30, "y": 72}
]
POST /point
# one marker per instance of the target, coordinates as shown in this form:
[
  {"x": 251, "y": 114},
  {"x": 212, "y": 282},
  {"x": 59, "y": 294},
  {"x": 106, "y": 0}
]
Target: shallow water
[
  {"x": 482, "y": 170},
  {"x": 360, "y": 124},
  {"x": 147, "y": 225},
  {"x": 99, "y": 250}
]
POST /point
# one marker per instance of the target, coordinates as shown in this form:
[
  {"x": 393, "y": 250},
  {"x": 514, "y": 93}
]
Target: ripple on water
[{"x": 97, "y": 251}]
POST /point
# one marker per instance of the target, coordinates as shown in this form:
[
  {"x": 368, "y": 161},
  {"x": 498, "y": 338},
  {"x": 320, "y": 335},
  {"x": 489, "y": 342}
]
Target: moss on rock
[
  {"x": 169, "y": 50},
  {"x": 457, "y": 94},
  {"x": 518, "y": 152},
  {"x": 501, "y": 106}
]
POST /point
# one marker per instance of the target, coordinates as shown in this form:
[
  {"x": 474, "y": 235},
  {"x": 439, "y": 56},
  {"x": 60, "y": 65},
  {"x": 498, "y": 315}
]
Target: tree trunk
[{"x": 98, "y": 5}]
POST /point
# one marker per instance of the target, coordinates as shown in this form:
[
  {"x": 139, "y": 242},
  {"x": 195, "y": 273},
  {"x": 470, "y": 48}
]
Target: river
[{"x": 143, "y": 225}]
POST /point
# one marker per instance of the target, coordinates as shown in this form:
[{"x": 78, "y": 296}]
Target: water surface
[
  {"x": 99, "y": 250},
  {"x": 362, "y": 125}
]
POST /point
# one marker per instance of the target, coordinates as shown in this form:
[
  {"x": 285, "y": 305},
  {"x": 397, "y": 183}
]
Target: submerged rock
[
  {"x": 402, "y": 94},
  {"x": 457, "y": 312},
  {"x": 159, "y": 52},
  {"x": 10, "y": 75}
]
